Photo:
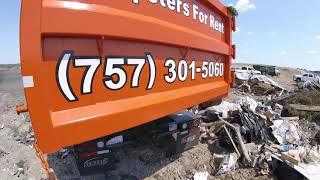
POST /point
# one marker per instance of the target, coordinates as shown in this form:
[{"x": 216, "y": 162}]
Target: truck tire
[{"x": 298, "y": 80}]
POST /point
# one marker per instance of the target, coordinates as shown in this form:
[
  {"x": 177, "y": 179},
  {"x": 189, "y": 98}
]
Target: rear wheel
[{"x": 298, "y": 80}]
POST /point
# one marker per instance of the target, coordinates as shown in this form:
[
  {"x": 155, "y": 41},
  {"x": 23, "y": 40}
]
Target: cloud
[
  {"x": 318, "y": 37},
  {"x": 312, "y": 52},
  {"x": 244, "y": 5},
  {"x": 250, "y": 33},
  {"x": 237, "y": 29},
  {"x": 283, "y": 52}
]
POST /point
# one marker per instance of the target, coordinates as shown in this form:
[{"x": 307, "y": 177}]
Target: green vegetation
[
  {"x": 233, "y": 11},
  {"x": 9, "y": 65},
  {"x": 317, "y": 72},
  {"x": 304, "y": 97}
]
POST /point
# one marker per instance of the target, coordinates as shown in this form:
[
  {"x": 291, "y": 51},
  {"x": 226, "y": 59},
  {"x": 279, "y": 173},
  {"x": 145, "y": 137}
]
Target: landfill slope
[{"x": 285, "y": 78}]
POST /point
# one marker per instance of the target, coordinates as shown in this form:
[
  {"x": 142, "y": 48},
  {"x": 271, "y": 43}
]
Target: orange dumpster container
[{"x": 92, "y": 68}]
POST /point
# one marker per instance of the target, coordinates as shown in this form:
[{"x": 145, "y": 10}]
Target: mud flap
[
  {"x": 95, "y": 164},
  {"x": 187, "y": 139}
]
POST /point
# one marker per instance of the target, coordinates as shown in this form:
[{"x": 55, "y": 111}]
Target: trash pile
[
  {"x": 257, "y": 84},
  {"x": 311, "y": 85},
  {"x": 260, "y": 137}
]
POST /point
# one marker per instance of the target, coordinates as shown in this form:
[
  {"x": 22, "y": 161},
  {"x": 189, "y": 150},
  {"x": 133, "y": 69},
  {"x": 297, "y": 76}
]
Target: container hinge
[
  {"x": 233, "y": 23},
  {"x": 233, "y": 52}
]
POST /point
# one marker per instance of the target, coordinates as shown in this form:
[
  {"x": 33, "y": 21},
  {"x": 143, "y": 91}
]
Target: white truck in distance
[
  {"x": 305, "y": 77},
  {"x": 248, "y": 70}
]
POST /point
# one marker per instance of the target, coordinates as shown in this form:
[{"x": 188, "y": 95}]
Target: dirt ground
[
  {"x": 19, "y": 161},
  {"x": 17, "y": 156}
]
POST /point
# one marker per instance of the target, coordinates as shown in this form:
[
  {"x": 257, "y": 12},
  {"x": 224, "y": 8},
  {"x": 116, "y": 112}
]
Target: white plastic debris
[
  {"x": 261, "y": 78},
  {"x": 247, "y": 101},
  {"x": 285, "y": 132},
  {"x": 265, "y": 79},
  {"x": 307, "y": 84},
  {"x": 228, "y": 165},
  {"x": 243, "y": 76},
  {"x": 201, "y": 176},
  {"x": 224, "y": 108}
]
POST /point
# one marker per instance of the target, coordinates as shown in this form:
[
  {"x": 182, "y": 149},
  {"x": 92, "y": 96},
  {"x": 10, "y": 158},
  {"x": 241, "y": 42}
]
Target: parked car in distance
[
  {"x": 247, "y": 69},
  {"x": 267, "y": 70},
  {"x": 305, "y": 77}
]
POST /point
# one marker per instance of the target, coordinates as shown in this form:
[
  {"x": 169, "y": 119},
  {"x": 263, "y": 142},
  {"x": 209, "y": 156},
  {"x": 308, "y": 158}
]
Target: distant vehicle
[
  {"x": 305, "y": 77},
  {"x": 267, "y": 70},
  {"x": 247, "y": 69}
]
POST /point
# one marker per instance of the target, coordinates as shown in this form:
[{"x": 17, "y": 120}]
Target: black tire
[{"x": 298, "y": 80}]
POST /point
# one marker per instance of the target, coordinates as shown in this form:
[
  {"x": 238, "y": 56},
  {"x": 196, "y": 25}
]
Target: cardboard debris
[
  {"x": 290, "y": 118},
  {"x": 289, "y": 158}
]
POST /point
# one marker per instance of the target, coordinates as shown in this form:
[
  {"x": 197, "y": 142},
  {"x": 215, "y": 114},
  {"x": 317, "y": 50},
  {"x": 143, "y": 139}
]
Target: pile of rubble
[
  {"x": 257, "y": 84},
  {"x": 267, "y": 128},
  {"x": 262, "y": 139}
]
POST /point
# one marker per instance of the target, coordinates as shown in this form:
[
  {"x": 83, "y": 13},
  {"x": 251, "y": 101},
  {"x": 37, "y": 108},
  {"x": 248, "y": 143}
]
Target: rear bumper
[{"x": 75, "y": 126}]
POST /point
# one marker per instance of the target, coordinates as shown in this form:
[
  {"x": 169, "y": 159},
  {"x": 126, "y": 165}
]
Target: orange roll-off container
[{"x": 92, "y": 68}]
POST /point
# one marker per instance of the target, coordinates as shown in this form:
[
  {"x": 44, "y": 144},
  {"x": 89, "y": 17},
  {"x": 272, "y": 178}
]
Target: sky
[{"x": 277, "y": 32}]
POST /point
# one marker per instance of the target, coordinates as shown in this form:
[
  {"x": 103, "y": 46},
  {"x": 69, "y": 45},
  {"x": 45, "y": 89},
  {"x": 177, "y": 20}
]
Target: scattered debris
[
  {"x": 18, "y": 169},
  {"x": 228, "y": 164},
  {"x": 63, "y": 153},
  {"x": 3, "y": 153},
  {"x": 224, "y": 108},
  {"x": 271, "y": 137},
  {"x": 258, "y": 84},
  {"x": 201, "y": 176},
  {"x": 285, "y": 132}
]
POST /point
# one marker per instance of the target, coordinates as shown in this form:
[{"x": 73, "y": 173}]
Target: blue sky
[
  {"x": 279, "y": 32},
  {"x": 9, "y": 34}
]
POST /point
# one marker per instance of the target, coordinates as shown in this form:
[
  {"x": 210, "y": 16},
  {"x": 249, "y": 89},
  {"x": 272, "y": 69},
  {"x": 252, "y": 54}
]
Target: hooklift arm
[{"x": 21, "y": 109}]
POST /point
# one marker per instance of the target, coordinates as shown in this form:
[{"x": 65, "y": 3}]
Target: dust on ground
[{"x": 17, "y": 156}]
